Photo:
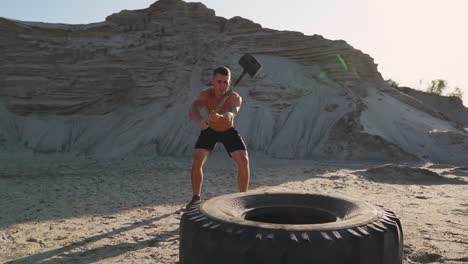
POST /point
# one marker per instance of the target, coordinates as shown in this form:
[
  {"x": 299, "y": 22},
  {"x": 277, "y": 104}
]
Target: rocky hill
[{"x": 124, "y": 86}]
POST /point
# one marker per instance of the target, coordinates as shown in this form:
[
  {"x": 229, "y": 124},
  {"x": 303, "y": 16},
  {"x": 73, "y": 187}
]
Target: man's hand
[
  {"x": 228, "y": 116},
  {"x": 224, "y": 121},
  {"x": 214, "y": 117},
  {"x": 203, "y": 125}
]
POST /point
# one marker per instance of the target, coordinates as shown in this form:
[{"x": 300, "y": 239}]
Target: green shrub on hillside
[{"x": 438, "y": 87}]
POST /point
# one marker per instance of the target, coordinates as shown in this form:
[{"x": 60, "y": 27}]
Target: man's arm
[
  {"x": 196, "y": 107},
  {"x": 233, "y": 109}
]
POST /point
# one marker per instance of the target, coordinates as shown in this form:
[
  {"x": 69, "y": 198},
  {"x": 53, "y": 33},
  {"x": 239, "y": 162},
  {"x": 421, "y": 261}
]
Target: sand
[{"x": 59, "y": 209}]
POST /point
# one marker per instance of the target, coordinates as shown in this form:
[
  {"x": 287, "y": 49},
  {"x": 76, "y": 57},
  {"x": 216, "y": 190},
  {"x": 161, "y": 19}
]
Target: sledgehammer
[{"x": 251, "y": 66}]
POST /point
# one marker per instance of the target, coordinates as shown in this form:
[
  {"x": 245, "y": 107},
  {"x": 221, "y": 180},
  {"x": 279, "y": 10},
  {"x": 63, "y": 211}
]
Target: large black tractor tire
[{"x": 289, "y": 228}]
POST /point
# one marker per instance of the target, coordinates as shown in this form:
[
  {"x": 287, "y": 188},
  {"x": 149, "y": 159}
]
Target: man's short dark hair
[{"x": 223, "y": 71}]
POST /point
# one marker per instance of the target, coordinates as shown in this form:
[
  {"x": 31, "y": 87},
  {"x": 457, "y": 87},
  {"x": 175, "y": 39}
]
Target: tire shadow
[{"x": 60, "y": 255}]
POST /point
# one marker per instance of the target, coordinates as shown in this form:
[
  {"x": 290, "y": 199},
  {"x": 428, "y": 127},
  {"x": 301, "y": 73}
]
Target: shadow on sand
[{"x": 63, "y": 255}]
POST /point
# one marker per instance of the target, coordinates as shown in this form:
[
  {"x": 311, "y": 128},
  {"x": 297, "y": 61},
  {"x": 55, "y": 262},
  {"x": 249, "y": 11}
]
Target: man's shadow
[{"x": 105, "y": 252}]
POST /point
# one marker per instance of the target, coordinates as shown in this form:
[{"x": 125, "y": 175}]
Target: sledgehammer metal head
[{"x": 250, "y": 64}]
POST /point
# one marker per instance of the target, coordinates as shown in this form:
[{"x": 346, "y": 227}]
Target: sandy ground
[{"x": 77, "y": 210}]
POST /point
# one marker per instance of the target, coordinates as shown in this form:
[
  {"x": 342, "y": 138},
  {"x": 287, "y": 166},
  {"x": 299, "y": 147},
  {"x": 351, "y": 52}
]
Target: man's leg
[
  {"x": 199, "y": 158},
  {"x": 243, "y": 177}
]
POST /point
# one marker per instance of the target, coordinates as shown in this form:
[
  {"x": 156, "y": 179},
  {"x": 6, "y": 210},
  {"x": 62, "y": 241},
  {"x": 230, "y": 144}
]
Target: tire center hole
[{"x": 290, "y": 215}]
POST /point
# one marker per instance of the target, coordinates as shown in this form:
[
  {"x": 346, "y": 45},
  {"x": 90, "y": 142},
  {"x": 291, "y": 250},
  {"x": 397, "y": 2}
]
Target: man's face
[{"x": 221, "y": 84}]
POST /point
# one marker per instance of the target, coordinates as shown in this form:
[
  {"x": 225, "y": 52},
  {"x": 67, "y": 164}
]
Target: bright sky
[{"x": 412, "y": 41}]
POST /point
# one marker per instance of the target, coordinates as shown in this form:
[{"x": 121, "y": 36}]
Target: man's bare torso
[{"x": 210, "y": 102}]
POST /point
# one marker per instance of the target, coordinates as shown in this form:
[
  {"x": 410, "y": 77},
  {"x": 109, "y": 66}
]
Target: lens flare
[
  {"x": 322, "y": 75},
  {"x": 342, "y": 62}
]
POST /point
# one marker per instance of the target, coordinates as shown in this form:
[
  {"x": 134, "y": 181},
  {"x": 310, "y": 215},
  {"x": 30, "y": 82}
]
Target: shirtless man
[{"x": 219, "y": 128}]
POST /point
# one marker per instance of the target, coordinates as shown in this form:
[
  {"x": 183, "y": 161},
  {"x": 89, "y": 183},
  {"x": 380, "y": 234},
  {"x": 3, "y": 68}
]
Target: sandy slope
[{"x": 67, "y": 210}]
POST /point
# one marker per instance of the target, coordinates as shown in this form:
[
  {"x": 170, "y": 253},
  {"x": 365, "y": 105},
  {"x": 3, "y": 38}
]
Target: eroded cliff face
[
  {"x": 125, "y": 85},
  {"x": 449, "y": 107}
]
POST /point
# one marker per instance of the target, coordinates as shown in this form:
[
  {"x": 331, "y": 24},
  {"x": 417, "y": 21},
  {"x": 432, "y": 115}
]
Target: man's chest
[{"x": 213, "y": 102}]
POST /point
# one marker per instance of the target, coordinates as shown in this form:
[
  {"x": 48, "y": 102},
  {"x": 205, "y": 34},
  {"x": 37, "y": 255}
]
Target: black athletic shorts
[{"x": 230, "y": 138}]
